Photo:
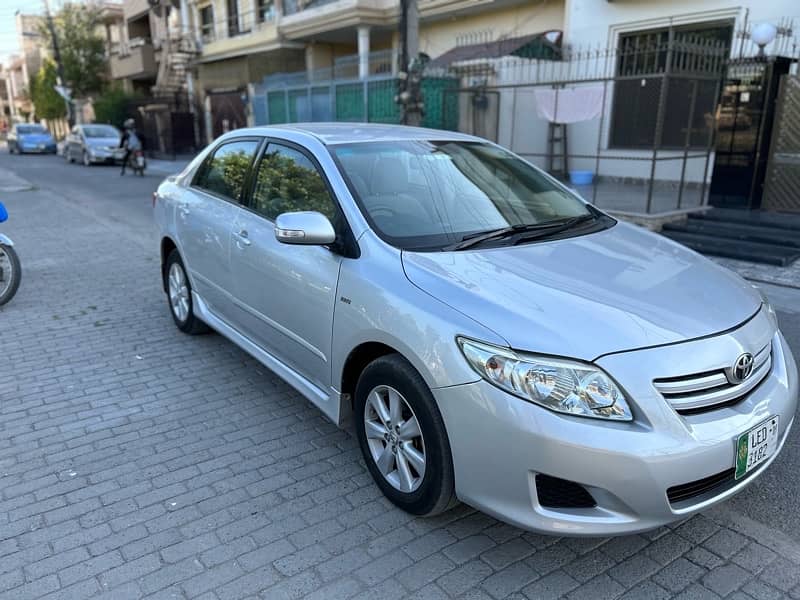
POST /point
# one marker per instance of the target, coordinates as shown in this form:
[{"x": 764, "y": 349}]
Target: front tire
[
  {"x": 86, "y": 160},
  {"x": 179, "y": 295},
  {"x": 10, "y": 273},
  {"x": 402, "y": 437}
]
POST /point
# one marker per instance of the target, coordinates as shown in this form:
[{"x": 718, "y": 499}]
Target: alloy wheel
[
  {"x": 178, "y": 292},
  {"x": 394, "y": 438}
]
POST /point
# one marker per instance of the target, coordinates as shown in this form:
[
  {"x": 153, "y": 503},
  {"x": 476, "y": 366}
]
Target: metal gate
[
  {"x": 227, "y": 112},
  {"x": 745, "y": 122},
  {"x": 783, "y": 169}
]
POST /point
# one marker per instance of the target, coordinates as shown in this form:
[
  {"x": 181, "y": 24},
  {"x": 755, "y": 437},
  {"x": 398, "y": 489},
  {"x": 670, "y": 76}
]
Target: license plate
[{"x": 756, "y": 446}]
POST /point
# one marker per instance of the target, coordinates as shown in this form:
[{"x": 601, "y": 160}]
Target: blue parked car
[{"x": 30, "y": 137}]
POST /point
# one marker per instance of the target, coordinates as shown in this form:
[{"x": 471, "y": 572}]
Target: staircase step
[
  {"x": 751, "y": 217},
  {"x": 730, "y": 248},
  {"x": 738, "y": 231}
]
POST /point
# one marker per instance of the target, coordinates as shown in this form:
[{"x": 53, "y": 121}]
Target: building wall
[
  {"x": 439, "y": 36},
  {"x": 236, "y": 73},
  {"x": 593, "y": 24}
]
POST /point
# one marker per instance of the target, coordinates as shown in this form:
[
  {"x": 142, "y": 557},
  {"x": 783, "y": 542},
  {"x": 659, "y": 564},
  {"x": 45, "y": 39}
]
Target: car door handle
[{"x": 244, "y": 238}]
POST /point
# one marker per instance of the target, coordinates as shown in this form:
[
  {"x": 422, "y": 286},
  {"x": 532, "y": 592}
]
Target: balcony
[
  {"x": 245, "y": 32},
  {"x": 136, "y": 60},
  {"x": 305, "y": 18}
]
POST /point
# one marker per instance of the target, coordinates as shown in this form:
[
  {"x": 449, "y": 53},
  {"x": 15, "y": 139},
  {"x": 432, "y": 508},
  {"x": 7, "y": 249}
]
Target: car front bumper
[
  {"x": 103, "y": 156},
  {"x": 500, "y": 443},
  {"x": 38, "y": 148}
]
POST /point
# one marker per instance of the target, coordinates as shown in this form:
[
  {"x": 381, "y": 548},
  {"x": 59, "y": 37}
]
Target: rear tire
[
  {"x": 411, "y": 445},
  {"x": 179, "y": 296},
  {"x": 14, "y": 276}
]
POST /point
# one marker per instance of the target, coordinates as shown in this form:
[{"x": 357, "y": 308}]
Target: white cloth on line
[{"x": 571, "y": 105}]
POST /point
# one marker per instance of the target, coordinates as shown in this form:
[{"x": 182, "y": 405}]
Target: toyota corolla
[{"x": 487, "y": 334}]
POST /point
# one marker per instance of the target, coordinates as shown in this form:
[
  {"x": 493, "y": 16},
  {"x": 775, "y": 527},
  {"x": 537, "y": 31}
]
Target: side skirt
[{"x": 328, "y": 402}]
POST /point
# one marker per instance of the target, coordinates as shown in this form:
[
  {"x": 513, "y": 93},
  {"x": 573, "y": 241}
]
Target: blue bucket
[
  {"x": 3, "y": 213},
  {"x": 581, "y": 177}
]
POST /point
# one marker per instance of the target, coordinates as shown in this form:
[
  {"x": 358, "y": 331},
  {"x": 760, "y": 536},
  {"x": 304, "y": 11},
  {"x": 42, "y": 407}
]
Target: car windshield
[
  {"x": 100, "y": 131},
  {"x": 28, "y": 129},
  {"x": 428, "y": 195}
]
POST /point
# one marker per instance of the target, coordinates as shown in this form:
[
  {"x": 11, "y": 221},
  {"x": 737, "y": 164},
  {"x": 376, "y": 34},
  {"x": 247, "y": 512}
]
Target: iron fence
[
  {"x": 338, "y": 94},
  {"x": 634, "y": 128},
  {"x": 631, "y": 128}
]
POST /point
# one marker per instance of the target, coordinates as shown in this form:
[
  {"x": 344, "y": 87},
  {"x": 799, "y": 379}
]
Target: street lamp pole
[
  {"x": 59, "y": 65},
  {"x": 409, "y": 95}
]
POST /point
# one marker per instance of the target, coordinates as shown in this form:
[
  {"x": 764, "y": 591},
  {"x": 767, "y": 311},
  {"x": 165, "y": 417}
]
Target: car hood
[{"x": 619, "y": 289}]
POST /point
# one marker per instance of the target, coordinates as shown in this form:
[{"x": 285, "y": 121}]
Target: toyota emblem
[{"x": 742, "y": 368}]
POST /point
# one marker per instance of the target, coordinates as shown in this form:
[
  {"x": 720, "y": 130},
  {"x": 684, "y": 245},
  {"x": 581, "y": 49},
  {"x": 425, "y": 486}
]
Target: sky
[{"x": 8, "y": 30}]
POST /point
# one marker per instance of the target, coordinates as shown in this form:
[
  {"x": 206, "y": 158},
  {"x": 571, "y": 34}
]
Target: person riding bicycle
[{"x": 130, "y": 141}]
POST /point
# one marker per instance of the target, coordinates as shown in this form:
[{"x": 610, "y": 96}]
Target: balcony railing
[
  {"x": 291, "y": 7},
  {"x": 135, "y": 60},
  {"x": 238, "y": 25}
]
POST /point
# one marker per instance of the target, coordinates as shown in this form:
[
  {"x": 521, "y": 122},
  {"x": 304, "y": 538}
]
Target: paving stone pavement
[
  {"x": 139, "y": 462},
  {"x": 788, "y": 276}
]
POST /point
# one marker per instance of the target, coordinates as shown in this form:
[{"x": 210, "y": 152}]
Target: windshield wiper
[{"x": 545, "y": 229}]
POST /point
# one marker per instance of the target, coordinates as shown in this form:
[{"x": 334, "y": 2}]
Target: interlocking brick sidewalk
[{"x": 137, "y": 462}]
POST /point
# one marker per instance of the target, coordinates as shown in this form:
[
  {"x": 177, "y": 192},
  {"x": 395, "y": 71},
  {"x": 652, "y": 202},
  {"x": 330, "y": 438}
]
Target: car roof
[{"x": 348, "y": 133}]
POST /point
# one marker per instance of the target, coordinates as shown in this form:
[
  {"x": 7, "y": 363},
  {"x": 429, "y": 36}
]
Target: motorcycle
[
  {"x": 10, "y": 268},
  {"x": 137, "y": 163}
]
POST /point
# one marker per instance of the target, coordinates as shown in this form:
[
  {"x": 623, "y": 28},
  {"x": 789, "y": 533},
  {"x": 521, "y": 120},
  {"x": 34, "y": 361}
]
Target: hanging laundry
[{"x": 571, "y": 105}]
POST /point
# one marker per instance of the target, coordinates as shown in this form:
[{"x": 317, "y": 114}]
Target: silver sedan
[
  {"x": 489, "y": 336},
  {"x": 93, "y": 144}
]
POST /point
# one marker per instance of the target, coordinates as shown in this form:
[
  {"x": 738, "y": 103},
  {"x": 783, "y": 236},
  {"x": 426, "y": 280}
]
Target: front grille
[
  {"x": 699, "y": 392},
  {"x": 560, "y": 493},
  {"x": 687, "y": 491}
]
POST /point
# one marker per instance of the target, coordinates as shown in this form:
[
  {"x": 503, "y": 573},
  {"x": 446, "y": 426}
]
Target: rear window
[{"x": 224, "y": 172}]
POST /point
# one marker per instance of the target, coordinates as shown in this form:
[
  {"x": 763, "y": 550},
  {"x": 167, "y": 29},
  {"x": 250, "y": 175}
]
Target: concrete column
[
  {"x": 185, "y": 19},
  {"x": 363, "y": 51}
]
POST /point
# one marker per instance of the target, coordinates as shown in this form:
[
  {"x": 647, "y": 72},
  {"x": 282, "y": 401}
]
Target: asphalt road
[
  {"x": 127, "y": 199},
  {"x": 135, "y": 460}
]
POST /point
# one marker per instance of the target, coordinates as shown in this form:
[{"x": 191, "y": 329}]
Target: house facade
[{"x": 244, "y": 41}]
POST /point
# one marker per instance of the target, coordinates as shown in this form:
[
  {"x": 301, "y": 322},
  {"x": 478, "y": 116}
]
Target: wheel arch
[
  {"x": 356, "y": 362},
  {"x": 167, "y": 246}
]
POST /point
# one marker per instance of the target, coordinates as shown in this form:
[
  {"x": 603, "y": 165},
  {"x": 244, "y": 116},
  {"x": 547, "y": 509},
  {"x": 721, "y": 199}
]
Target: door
[
  {"x": 744, "y": 121},
  {"x": 286, "y": 293},
  {"x": 205, "y": 216},
  {"x": 227, "y": 112}
]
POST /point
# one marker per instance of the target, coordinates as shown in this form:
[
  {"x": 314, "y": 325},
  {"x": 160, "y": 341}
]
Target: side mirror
[{"x": 308, "y": 228}]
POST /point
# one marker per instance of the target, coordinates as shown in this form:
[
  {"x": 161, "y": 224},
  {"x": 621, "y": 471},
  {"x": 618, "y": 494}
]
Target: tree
[
  {"x": 113, "y": 106},
  {"x": 49, "y": 104},
  {"x": 83, "y": 53}
]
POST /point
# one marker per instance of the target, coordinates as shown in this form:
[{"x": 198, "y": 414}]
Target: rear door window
[{"x": 224, "y": 172}]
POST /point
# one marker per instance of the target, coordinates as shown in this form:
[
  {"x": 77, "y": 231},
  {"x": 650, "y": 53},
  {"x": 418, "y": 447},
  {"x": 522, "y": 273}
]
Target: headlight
[{"x": 560, "y": 385}]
